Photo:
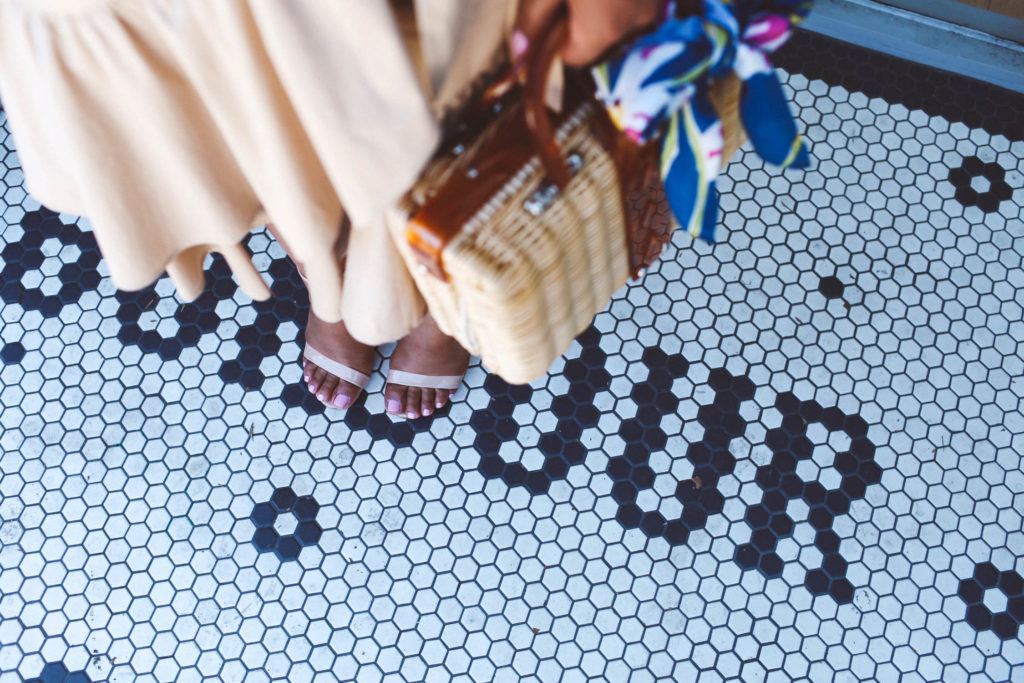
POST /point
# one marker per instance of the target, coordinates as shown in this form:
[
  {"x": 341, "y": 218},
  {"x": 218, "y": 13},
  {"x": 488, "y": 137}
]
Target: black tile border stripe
[{"x": 952, "y": 96}]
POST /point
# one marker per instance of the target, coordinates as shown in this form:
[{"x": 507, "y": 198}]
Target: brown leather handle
[
  {"x": 527, "y": 132},
  {"x": 541, "y": 58}
]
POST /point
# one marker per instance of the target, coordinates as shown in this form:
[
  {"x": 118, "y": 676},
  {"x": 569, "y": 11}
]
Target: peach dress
[{"x": 176, "y": 126}]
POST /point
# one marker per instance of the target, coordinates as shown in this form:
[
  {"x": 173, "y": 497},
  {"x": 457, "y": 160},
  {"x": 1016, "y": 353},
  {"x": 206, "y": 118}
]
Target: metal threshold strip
[{"x": 928, "y": 40}]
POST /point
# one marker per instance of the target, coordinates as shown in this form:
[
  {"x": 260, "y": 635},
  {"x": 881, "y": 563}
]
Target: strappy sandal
[
  {"x": 342, "y": 372},
  {"x": 413, "y": 380},
  {"x": 321, "y": 360}
]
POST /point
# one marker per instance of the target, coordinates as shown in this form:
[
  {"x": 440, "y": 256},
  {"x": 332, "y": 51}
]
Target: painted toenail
[
  {"x": 321, "y": 396},
  {"x": 440, "y": 404},
  {"x": 393, "y": 405},
  {"x": 411, "y": 414},
  {"x": 427, "y": 412},
  {"x": 342, "y": 401}
]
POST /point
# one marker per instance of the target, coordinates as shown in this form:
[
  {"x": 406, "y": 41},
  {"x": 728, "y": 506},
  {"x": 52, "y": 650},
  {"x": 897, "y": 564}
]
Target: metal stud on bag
[{"x": 547, "y": 192}]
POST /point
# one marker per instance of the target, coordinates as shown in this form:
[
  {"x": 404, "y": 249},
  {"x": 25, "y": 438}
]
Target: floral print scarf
[{"x": 661, "y": 85}]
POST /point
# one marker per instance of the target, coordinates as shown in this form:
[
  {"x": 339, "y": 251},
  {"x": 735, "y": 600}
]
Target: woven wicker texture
[{"x": 522, "y": 286}]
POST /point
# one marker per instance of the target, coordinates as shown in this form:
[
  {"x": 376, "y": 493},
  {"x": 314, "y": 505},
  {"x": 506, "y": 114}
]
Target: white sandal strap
[
  {"x": 340, "y": 371},
  {"x": 411, "y": 379}
]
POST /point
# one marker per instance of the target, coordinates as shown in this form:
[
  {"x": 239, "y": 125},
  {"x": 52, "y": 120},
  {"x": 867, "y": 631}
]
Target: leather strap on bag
[
  {"x": 529, "y": 131},
  {"x": 648, "y": 218},
  {"x": 538, "y": 118}
]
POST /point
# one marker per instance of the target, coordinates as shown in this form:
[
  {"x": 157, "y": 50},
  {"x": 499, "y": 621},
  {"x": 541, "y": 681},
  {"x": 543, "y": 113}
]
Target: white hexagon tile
[{"x": 792, "y": 456}]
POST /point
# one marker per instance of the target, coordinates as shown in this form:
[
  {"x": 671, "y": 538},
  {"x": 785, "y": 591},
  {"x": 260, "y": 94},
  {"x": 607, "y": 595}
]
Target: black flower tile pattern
[
  {"x": 1004, "y": 620},
  {"x": 26, "y": 280},
  {"x": 794, "y": 455},
  {"x": 303, "y": 530},
  {"x": 991, "y": 175}
]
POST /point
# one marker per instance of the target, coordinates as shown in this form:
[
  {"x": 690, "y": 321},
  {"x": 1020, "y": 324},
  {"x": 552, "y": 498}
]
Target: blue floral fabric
[{"x": 662, "y": 84}]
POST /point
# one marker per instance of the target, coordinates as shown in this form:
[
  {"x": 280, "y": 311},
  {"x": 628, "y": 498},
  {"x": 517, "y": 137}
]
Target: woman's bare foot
[
  {"x": 334, "y": 341},
  {"x": 424, "y": 351}
]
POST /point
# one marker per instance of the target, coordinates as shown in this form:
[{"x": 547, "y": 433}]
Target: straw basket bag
[{"x": 526, "y": 223}]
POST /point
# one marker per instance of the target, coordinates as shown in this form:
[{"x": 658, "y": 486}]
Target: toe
[
  {"x": 394, "y": 398},
  {"x": 325, "y": 392},
  {"x": 428, "y": 399},
  {"x": 316, "y": 378},
  {"x": 441, "y": 397},
  {"x": 412, "y": 403},
  {"x": 345, "y": 395},
  {"x": 307, "y": 368}
]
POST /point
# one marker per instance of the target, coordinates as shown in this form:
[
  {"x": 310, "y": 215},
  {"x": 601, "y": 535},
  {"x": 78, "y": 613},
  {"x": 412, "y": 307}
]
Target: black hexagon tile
[
  {"x": 56, "y": 672},
  {"x": 794, "y": 455}
]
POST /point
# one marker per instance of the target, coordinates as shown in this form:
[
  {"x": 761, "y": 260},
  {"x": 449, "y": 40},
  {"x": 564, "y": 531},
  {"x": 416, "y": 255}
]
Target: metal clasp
[{"x": 547, "y": 192}]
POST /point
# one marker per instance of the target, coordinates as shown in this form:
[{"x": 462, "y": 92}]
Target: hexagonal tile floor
[{"x": 795, "y": 455}]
